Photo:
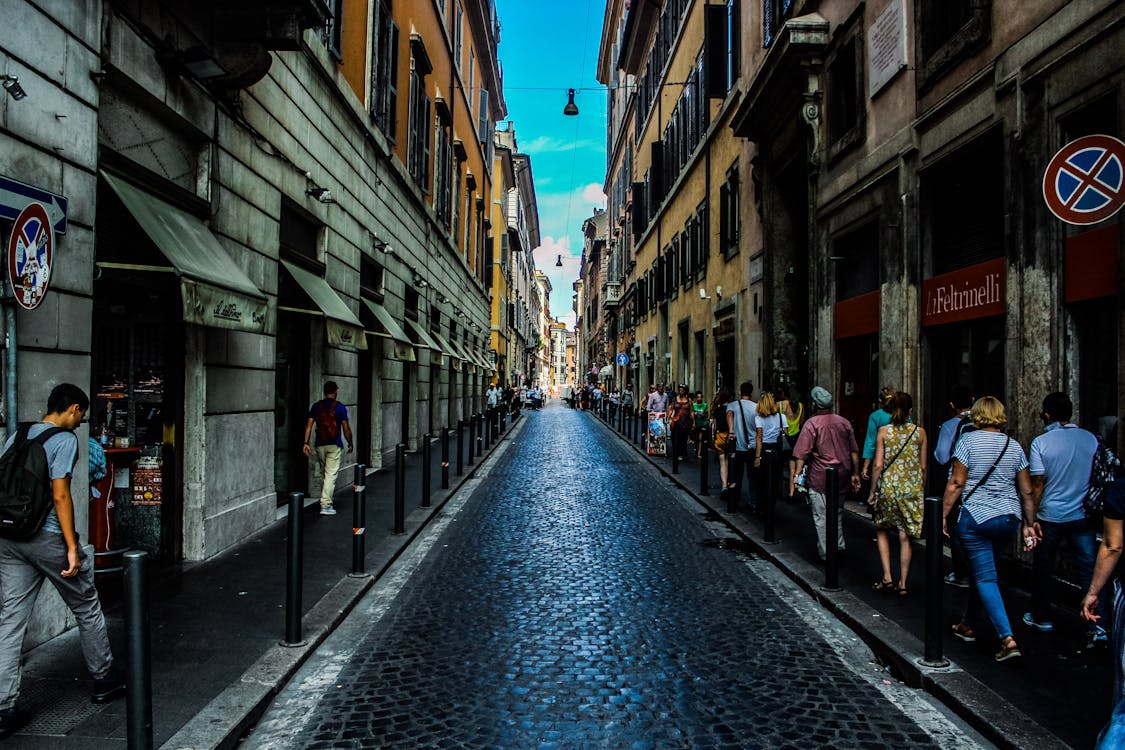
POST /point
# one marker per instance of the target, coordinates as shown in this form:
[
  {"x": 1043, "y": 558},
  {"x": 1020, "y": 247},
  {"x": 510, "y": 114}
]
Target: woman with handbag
[
  {"x": 771, "y": 430},
  {"x": 990, "y": 475},
  {"x": 723, "y": 440},
  {"x": 896, "y": 489}
]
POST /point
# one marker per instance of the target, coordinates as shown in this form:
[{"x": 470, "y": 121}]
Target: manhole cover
[
  {"x": 56, "y": 705},
  {"x": 731, "y": 544}
]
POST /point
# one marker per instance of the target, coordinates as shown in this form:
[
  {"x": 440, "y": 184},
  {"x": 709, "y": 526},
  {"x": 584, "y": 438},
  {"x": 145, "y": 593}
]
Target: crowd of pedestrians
[{"x": 995, "y": 494}]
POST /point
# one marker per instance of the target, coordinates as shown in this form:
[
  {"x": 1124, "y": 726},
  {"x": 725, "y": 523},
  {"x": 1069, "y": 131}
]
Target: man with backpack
[
  {"x": 961, "y": 407},
  {"x": 38, "y": 541},
  {"x": 330, "y": 418}
]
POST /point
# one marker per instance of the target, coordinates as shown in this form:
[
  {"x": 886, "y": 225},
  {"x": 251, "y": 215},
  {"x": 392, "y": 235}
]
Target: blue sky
[{"x": 546, "y": 48}]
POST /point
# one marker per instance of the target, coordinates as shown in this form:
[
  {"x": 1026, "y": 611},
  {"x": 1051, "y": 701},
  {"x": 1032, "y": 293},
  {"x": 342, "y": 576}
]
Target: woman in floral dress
[{"x": 896, "y": 489}]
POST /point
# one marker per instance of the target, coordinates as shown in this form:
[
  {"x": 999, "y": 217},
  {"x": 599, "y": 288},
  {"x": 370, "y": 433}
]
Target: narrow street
[{"x": 571, "y": 597}]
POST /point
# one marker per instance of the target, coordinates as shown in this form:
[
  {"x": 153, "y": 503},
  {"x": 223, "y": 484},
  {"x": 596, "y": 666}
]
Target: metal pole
[
  {"x": 400, "y": 489},
  {"x": 427, "y": 469},
  {"x": 460, "y": 446},
  {"x": 704, "y": 460},
  {"x": 770, "y": 508},
  {"x": 445, "y": 458},
  {"x": 644, "y": 430},
  {"x": 295, "y": 564},
  {"x": 934, "y": 624},
  {"x": 138, "y": 679},
  {"x": 472, "y": 425},
  {"x": 480, "y": 435},
  {"x": 675, "y": 446},
  {"x": 634, "y": 420},
  {"x": 359, "y": 519},
  {"x": 831, "y": 532},
  {"x": 486, "y": 428}
]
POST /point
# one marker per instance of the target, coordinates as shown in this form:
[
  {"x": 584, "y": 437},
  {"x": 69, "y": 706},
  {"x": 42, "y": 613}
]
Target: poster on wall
[{"x": 657, "y": 434}]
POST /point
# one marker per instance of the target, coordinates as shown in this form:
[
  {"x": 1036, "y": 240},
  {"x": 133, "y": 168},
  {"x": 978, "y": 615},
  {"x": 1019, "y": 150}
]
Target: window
[
  {"x": 484, "y": 123},
  {"x": 720, "y": 53},
  {"x": 410, "y": 303},
  {"x": 443, "y": 168},
  {"x": 384, "y": 73},
  {"x": 458, "y": 37},
  {"x": 846, "y": 96},
  {"x": 334, "y": 30},
  {"x": 299, "y": 235},
  {"x": 729, "y": 220},
  {"x": 418, "y": 156},
  {"x": 963, "y": 200},
  {"x": 949, "y": 31},
  {"x": 687, "y": 257},
  {"x": 435, "y": 319},
  {"x": 774, "y": 13},
  {"x": 371, "y": 278},
  {"x": 703, "y": 239},
  {"x": 855, "y": 257}
]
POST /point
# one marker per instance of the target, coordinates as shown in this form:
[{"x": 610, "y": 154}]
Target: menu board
[{"x": 147, "y": 486}]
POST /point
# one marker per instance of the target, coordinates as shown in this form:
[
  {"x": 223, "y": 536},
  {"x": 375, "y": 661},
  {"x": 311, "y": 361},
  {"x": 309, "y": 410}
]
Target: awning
[
  {"x": 343, "y": 327},
  {"x": 460, "y": 353},
  {"x": 421, "y": 337},
  {"x": 444, "y": 345},
  {"x": 214, "y": 290},
  {"x": 392, "y": 331}
]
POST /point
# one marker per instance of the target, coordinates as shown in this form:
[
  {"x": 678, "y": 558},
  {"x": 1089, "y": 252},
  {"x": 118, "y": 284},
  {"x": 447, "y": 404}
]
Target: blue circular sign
[{"x": 622, "y": 359}]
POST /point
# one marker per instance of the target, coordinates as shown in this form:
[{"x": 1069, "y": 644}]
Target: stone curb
[
  {"x": 974, "y": 701},
  {"x": 223, "y": 721}
]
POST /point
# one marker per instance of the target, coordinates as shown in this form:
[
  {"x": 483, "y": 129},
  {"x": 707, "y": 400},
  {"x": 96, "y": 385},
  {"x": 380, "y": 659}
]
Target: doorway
[
  {"x": 859, "y": 379},
  {"x": 291, "y": 383}
]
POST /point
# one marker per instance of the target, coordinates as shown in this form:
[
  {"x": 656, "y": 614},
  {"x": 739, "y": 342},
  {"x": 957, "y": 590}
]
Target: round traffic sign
[
  {"x": 30, "y": 255},
  {"x": 622, "y": 359},
  {"x": 1085, "y": 181}
]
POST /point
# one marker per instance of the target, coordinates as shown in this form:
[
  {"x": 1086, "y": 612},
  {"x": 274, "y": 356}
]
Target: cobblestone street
[{"x": 570, "y": 597}]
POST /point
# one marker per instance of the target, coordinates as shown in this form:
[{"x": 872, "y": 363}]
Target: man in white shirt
[{"x": 740, "y": 423}]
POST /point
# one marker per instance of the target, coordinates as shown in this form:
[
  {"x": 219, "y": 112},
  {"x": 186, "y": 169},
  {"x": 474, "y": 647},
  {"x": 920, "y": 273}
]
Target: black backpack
[{"x": 26, "y": 496}]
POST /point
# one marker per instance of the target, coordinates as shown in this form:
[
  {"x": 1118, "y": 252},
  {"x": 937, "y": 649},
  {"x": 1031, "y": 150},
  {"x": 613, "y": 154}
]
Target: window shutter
[
  {"x": 657, "y": 175},
  {"x": 427, "y": 118},
  {"x": 715, "y": 51},
  {"x": 640, "y": 220},
  {"x": 335, "y": 30},
  {"x": 482, "y": 117},
  {"x": 390, "y": 129}
]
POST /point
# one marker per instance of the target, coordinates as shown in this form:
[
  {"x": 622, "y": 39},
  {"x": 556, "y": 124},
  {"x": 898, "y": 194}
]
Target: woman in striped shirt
[{"x": 990, "y": 473}]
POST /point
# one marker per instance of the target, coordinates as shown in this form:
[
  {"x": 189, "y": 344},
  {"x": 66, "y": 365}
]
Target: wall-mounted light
[
  {"x": 558, "y": 263},
  {"x": 703, "y": 293},
  {"x": 381, "y": 246},
  {"x": 322, "y": 194},
  {"x": 719, "y": 292},
  {"x": 571, "y": 109},
  {"x": 12, "y": 86}
]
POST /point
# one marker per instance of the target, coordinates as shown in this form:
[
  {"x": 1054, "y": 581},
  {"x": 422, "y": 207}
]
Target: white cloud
[
  {"x": 542, "y": 144},
  {"x": 593, "y": 193},
  {"x": 570, "y": 319}
]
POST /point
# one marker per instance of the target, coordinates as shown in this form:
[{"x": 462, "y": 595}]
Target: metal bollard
[
  {"x": 293, "y": 571},
  {"x": 673, "y": 444},
  {"x": 831, "y": 531},
  {"x": 643, "y": 428},
  {"x": 934, "y": 621},
  {"x": 460, "y": 446},
  {"x": 486, "y": 429},
  {"x": 472, "y": 425},
  {"x": 445, "y": 458},
  {"x": 704, "y": 460},
  {"x": 400, "y": 489},
  {"x": 359, "y": 520},
  {"x": 138, "y": 679},
  {"x": 427, "y": 468},
  {"x": 634, "y": 420},
  {"x": 770, "y": 509}
]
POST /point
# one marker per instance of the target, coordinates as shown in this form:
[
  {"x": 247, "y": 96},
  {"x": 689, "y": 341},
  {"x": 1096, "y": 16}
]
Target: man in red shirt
[{"x": 826, "y": 439}]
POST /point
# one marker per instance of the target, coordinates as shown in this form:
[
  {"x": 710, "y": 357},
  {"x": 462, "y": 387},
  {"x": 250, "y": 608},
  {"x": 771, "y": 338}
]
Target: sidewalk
[
  {"x": 215, "y": 625},
  {"x": 1057, "y": 695}
]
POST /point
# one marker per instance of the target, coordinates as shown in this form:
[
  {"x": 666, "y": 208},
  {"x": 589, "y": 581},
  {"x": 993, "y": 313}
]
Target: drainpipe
[{"x": 10, "y": 385}]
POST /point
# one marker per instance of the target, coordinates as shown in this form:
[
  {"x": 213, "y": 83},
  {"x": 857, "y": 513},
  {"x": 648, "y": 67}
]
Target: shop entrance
[
  {"x": 859, "y": 379},
  {"x": 1097, "y": 365},
  {"x": 290, "y": 466},
  {"x": 969, "y": 354}
]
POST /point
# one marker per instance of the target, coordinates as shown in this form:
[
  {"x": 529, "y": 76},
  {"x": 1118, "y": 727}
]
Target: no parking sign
[
  {"x": 30, "y": 255},
  {"x": 1085, "y": 181}
]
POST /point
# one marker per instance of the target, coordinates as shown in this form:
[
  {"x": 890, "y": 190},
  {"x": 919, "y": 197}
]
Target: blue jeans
[
  {"x": 1084, "y": 546},
  {"x": 982, "y": 543}
]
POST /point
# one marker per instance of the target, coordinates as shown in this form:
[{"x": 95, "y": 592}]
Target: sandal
[
  {"x": 964, "y": 632},
  {"x": 902, "y": 591},
  {"x": 882, "y": 586},
  {"x": 1009, "y": 649}
]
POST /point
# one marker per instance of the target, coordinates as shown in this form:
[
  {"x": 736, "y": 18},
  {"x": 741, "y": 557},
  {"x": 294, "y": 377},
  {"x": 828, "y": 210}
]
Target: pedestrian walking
[
  {"x": 960, "y": 422},
  {"x": 51, "y": 553},
  {"x": 880, "y": 417},
  {"x": 722, "y": 440},
  {"x": 990, "y": 470},
  {"x": 656, "y": 400},
  {"x": 740, "y": 415},
  {"x": 701, "y": 415},
  {"x": 681, "y": 420},
  {"x": 769, "y": 427},
  {"x": 1060, "y": 464},
  {"x": 794, "y": 410},
  {"x": 330, "y": 418},
  {"x": 1107, "y": 571},
  {"x": 826, "y": 439},
  {"x": 627, "y": 398},
  {"x": 897, "y": 483}
]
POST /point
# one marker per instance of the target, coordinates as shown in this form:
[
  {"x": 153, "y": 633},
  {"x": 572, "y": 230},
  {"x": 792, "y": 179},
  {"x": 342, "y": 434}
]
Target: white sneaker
[{"x": 329, "y": 511}]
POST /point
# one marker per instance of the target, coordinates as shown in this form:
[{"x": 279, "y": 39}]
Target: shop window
[
  {"x": 371, "y": 278},
  {"x": 846, "y": 96},
  {"x": 384, "y": 73},
  {"x": 299, "y": 236},
  {"x": 964, "y": 209},
  {"x": 855, "y": 256},
  {"x": 729, "y": 213},
  {"x": 948, "y": 32}
]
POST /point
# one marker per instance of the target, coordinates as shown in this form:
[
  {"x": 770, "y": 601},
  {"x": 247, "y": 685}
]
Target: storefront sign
[
  {"x": 212, "y": 306},
  {"x": 886, "y": 47},
  {"x": 857, "y": 316},
  {"x": 1085, "y": 181},
  {"x": 344, "y": 334},
  {"x": 147, "y": 484},
  {"x": 30, "y": 254},
  {"x": 977, "y": 291}
]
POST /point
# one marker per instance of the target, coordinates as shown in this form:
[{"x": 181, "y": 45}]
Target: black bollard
[
  {"x": 472, "y": 437},
  {"x": 673, "y": 445},
  {"x": 293, "y": 570},
  {"x": 934, "y": 621},
  {"x": 460, "y": 446},
  {"x": 427, "y": 468},
  {"x": 633, "y": 420},
  {"x": 359, "y": 520},
  {"x": 138, "y": 679},
  {"x": 445, "y": 458},
  {"x": 704, "y": 459},
  {"x": 400, "y": 489},
  {"x": 643, "y": 427},
  {"x": 486, "y": 429},
  {"x": 831, "y": 531},
  {"x": 770, "y": 508}
]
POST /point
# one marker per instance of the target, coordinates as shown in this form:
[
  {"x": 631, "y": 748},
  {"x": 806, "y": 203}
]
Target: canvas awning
[
  {"x": 460, "y": 353},
  {"x": 421, "y": 337},
  {"x": 343, "y": 327},
  {"x": 390, "y": 329},
  {"x": 214, "y": 290}
]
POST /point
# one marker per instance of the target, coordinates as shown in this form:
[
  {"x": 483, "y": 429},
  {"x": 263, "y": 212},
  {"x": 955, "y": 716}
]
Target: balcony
[{"x": 611, "y": 293}]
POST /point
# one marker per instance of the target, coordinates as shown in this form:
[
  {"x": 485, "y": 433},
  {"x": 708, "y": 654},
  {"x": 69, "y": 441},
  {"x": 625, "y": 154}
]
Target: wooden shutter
[
  {"x": 715, "y": 51},
  {"x": 482, "y": 117},
  {"x": 391, "y": 107}
]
